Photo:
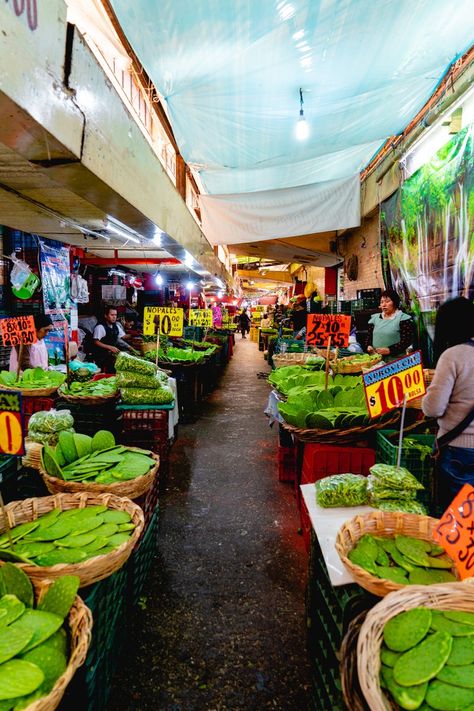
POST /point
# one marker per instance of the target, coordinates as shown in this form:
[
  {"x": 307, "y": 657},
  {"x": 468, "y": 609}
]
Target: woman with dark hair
[
  {"x": 35, "y": 355},
  {"x": 391, "y": 332},
  {"x": 450, "y": 396}
]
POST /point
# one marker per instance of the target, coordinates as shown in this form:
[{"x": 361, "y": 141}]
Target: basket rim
[
  {"x": 87, "y": 399},
  {"x": 60, "y": 485},
  {"x": 92, "y": 569},
  {"x": 32, "y": 392},
  {"x": 308, "y": 434},
  {"x": 391, "y": 522},
  {"x": 444, "y": 596},
  {"x": 79, "y": 622}
]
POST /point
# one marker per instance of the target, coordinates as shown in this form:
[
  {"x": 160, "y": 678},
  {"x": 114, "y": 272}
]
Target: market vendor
[
  {"x": 108, "y": 340},
  {"x": 391, "y": 332},
  {"x": 36, "y": 354},
  {"x": 267, "y": 321}
]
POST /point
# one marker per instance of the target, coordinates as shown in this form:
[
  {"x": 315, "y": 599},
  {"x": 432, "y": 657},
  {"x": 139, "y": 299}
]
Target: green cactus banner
[{"x": 428, "y": 232}]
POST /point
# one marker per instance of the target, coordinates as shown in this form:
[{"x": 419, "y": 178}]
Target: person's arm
[
  {"x": 368, "y": 342},
  {"x": 99, "y": 332},
  {"x": 436, "y": 400},
  {"x": 406, "y": 338}
]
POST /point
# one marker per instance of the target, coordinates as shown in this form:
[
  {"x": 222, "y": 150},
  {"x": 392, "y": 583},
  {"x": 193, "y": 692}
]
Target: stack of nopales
[
  {"x": 141, "y": 382},
  {"x": 394, "y": 488}
]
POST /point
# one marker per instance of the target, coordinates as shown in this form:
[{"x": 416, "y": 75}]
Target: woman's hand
[
  {"x": 370, "y": 349},
  {"x": 383, "y": 351}
]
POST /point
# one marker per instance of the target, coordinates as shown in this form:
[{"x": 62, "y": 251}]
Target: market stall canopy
[{"x": 230, "y": 74}]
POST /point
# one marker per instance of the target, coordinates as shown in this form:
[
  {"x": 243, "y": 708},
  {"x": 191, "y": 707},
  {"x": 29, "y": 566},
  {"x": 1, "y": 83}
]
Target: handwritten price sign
[
  {"x": 200, "y": 317},
  {"x": 386, "y": 386},
  {"x": 11, "y": 424},
  {"x": 321, "y": 327},
  {"x": 455, "y": 531},
  {"x": 17, "y": 330},
  {"x": 170, "y": 320}
]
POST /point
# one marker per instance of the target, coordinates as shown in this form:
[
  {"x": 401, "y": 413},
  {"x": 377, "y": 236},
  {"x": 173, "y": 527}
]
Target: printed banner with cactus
[{"x": 428, "y": 231}]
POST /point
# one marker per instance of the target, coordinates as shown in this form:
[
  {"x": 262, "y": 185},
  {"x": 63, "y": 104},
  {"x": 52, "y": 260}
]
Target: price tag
[
  {"x": 169, "y": 319},
  {"x": 455, "y": 531},
  {"x": 386, "y": 386},
  {"x": 200, "y": 317},
  {"x": 319, "y": 327},
  {"x": 11, "y": 424},
  {"x": 17, "y": 330}
]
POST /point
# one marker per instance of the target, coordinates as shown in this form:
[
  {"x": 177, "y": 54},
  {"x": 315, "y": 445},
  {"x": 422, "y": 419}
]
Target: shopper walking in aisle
[
  {"x": 450, "y": 396},
  {"x": 244, "y": 322}
]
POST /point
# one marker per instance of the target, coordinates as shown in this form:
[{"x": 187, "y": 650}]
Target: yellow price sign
[
  {"x": 169, "y": 319},
  {"x": 200, "y": 317},
  {"x": 386, "y": 386},
  {"x": 11, "y": 426}
]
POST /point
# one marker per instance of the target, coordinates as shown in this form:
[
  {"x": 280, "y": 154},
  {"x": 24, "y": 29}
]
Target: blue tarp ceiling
[{"x": 231, "y": 70}]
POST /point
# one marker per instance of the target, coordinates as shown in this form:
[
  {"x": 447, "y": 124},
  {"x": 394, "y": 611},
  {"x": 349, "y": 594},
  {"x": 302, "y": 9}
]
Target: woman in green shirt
[{"x": 390, "y": 332}]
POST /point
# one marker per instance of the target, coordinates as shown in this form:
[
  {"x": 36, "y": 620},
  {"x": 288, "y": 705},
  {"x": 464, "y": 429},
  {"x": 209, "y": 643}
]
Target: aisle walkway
[{"x": 224, "y": 623}]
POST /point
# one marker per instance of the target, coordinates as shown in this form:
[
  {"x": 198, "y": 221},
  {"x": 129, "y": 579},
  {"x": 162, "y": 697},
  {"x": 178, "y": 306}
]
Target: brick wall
[{"x": 364, "y": 242}]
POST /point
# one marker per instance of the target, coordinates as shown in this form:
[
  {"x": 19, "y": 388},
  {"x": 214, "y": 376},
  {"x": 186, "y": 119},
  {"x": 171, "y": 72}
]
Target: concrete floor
[{"x": 223, "y": 625}]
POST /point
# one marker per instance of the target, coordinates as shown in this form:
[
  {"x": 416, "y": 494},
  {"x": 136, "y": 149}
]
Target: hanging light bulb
[
  {"x": 159, "y": 280},
  {"x": 302, "y": 127},
  {"x": 190, "y": 286}
]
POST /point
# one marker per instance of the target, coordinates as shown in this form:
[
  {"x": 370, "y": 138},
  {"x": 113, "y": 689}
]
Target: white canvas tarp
[{"x": 272, "y": 214}]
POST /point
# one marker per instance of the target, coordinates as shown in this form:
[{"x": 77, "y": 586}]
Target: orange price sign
[
  {"x": 17, "y": 330},
  {"x": 321, "y": 327},
  {"x": 455, "y": 531},
  {"x": 11, "y": 424}
]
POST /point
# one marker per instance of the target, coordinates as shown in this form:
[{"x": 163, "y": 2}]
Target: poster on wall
[
  {"x": 427, "y": 246},
  {"x": 56, "y": 280}
]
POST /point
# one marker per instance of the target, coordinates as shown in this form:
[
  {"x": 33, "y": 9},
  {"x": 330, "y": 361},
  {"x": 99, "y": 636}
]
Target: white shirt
[{"x": 99, "y": 331}]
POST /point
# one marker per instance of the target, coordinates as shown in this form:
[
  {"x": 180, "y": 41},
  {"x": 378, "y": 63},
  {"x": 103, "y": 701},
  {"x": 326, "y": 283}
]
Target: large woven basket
[
  {"x": 380, "y": 523},
  {"x": 80, "y": 626},
  {"x": 32, "y": 456},
  {"x": 88, "y": 400},
  {"x": 283, "y": 359},
  {"x": 93, "y": 569},
  {"x": 132, "y": 489},
  {"x": 351, "y": 692},
  {"x": 32, "y": 392},
  {"x": 353, "y": 434},
  {"x": 448, "y": 596},
  {"x": 429, "y": 374},
  {"x": 346, "y": 367}
]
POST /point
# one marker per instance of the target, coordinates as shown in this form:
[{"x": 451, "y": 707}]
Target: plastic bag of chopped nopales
[
  {"x": 387, "y": 482},
  {"x": 342, "y": 490}
]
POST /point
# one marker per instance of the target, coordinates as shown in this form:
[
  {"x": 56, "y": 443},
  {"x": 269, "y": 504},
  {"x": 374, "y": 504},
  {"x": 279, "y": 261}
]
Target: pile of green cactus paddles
[
  {"x": 427, "y": 659},
  {"x": 71, "y": 536},
  {"x": 34, "y": 647},
  {"x": 403, "y": 559},
  {"x": 97, "y": 459}
]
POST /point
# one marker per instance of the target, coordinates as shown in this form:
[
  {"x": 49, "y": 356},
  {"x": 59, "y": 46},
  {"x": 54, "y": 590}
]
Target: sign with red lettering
[
  {"x": 321, "y": 327},
  {"x": 387, "y": 386},
  {"x": 455, "y": 531},
  {"x": 11, "y": 424},
  {"x": 17, "y": 330}
]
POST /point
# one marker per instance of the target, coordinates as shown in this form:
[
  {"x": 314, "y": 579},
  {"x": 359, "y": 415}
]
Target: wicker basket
[
  {"x": 351, "y": 691},
  {"x": 88, "y": 399},
  {"x": 145, "y": 347},
  {"x": 93, "y": 569},
  {"x": 346, "y": 367},
  {"x": 353, "y": 434},
  {"x": 132, "y": 489},
  {"x": 80, "y": 626},
  {"x": 290, "y": 359},
  {"x": 380, "y": 523},
  {"x": 32, "y": 392},
  {"x": 451, "y": 596},
  {"x": 416, "y": 404},
  {"x": 32, "y": 457}
]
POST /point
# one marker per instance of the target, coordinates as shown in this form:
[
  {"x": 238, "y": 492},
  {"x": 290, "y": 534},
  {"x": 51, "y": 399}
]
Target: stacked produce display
[{"x": 141, "y": 382}]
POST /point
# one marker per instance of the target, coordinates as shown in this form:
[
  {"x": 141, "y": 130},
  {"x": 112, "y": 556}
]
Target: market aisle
[{"x": 224, "y": 622}]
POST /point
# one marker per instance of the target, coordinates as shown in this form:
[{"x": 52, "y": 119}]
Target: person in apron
[{"x": 391, "y": 332}]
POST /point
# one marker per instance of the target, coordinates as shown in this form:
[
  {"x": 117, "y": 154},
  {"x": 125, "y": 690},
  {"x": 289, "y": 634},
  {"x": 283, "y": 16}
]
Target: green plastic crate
[
  {"x": 141, "y": 561},
  {"x": 387, "y": 452}
]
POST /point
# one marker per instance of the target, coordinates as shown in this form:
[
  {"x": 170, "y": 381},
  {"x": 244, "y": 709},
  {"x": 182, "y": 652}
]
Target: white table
[{"x": 326, "y": 524}]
